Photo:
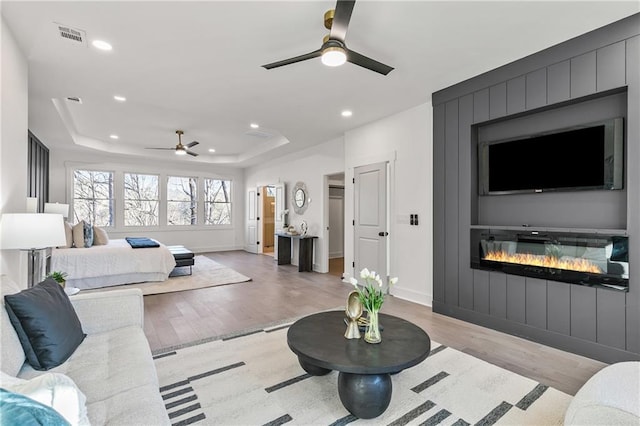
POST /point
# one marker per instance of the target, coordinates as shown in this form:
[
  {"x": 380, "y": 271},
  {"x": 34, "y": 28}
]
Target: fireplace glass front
[{"x": 587, "y": 259}]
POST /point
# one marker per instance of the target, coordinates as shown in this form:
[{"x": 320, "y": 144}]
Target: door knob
[{"x": 383, "y": 233}]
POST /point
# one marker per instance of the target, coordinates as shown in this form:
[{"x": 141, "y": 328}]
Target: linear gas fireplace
[{"x": 587, "y": 259}]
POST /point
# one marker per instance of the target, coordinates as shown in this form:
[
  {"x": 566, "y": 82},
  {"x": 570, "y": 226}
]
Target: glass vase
[{"x": 372, "y": 332}]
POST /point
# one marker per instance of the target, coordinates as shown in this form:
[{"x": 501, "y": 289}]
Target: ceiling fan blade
[
  {"x": 192, "y": 153},
  {"x": 293, "y": 60},
  {"x": 368, "y": 63},
  {"x": 167, "y": 149},
  {"x": 192, "y": 144},
  {"x": 341, "y": 19}
]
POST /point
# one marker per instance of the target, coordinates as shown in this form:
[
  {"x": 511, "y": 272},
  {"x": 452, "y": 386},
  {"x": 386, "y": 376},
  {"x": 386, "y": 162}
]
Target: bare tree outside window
[
  {"x": 93, "y": 197},
  {"x": 141, "y": 199},
  {"x": 181, "y": 200},
  {"x": 217, "y": 202}
]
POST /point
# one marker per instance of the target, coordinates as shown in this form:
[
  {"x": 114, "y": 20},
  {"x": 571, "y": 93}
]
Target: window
[
  {"x": 181, "y": 200},
  {"x": 217, "y": 202},
  {"x": 93, "y": 197},
  {"x": 140, "y": 200}
]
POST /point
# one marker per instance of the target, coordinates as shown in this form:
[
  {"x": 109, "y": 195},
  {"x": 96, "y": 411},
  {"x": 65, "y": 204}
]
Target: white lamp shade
[
  {"x": 57, "y": 208},
  {"x": 31, "y": 231}
]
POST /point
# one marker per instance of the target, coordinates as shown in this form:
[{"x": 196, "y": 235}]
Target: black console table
[{"x": 305, "y": 250}]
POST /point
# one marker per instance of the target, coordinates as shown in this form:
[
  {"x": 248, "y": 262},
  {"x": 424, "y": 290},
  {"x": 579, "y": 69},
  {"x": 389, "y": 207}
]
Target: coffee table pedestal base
[
  {"x": 365, "y": 395},
  {"x": 313, "y": 370}
]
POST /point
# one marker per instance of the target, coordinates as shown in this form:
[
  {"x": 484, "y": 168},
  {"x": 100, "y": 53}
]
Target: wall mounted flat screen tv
[{"x": 586, "y": 157}]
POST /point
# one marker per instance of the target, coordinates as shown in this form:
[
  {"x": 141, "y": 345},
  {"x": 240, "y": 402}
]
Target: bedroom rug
[
  {"x": 254, "y": 379},
  {"x": 206, "y": 273}
]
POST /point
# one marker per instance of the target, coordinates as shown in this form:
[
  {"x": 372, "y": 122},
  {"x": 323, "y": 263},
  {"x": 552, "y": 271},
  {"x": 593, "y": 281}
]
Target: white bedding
[{"x": 112, "y": 264}]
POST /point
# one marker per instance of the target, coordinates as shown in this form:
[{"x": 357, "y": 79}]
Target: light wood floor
[{"x": 281, "y": 292}]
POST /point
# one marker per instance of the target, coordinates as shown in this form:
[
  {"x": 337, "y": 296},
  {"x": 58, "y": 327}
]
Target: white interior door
[
  {"x": 370, "y": 209},
  {"x": 279, "y": 190},
  {"x": 336, "y": 227},
  {"x": 252, "y": 241}
]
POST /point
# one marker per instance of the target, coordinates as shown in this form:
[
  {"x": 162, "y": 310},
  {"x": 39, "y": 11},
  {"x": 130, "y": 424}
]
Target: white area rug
[
  {"x": 254, "y": 379},
  {"x": 206, "y": 273}
]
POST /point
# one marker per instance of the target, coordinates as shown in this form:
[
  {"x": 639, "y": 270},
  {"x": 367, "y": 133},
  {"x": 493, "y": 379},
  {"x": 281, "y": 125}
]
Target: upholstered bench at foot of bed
[{"x": 183, "y": 257}]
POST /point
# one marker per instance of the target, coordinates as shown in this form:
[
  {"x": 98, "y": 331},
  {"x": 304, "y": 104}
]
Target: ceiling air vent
[
  {"x": 73, "y": 35},
  {"x": 258, "y": 134},
  {"x": 74, "y": 99}
]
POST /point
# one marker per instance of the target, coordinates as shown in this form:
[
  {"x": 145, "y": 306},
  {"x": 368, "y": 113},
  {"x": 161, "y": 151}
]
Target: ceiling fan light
[
  {"x": 181, "y": 151},
  {"x": 333, "y": 56}
]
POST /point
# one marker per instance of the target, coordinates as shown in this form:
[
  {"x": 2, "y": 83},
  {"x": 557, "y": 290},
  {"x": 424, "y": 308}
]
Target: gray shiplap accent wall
[{"x": 599, "y": 69}]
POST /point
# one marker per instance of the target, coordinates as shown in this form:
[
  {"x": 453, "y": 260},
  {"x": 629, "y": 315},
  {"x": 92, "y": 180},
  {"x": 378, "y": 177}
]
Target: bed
[{"x": 112, "y": 264}]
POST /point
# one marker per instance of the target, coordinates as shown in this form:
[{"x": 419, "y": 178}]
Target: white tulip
[
  {"x": 364, "y": 273},
  {"x": 354, "y": 281},
  {"x": 393, "y": 281}
]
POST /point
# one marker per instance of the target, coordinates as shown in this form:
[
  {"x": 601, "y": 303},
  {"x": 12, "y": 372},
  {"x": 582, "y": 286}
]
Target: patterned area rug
[
  {"x": 206, "y": 273},
  {"x": 254, "y": 379}
]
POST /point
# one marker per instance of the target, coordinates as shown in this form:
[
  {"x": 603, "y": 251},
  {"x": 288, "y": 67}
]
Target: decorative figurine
[{"x": 354, "y": 312}]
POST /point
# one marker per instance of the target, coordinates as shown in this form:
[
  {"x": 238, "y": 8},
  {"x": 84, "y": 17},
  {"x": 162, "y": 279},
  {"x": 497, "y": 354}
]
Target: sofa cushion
[
  {"x": 17, "y": 409},
  {"x": 11, "y": 353},
  {"x": 142, "y": 405},
  {"x": 53, "y": 390},
  {"x": 47, "y": 325},
  {"x": 108, "y": 363}
]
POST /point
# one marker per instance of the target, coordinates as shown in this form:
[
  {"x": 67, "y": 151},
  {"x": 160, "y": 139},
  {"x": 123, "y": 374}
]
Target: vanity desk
[{"x": 305, "y": 250}]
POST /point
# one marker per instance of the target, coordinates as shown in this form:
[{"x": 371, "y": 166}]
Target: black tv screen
[{"x": 589, "y": 157}]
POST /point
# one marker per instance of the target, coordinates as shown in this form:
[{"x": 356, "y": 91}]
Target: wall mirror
[{"x": 300, "y": 198}]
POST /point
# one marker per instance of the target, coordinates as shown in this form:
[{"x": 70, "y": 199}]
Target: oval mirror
[{"x": 300, "y": 198}]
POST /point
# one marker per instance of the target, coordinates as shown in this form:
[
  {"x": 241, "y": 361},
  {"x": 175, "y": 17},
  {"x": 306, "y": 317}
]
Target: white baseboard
[
  {"x": 216, "y": 248},
  {"x": 412, "y": 296},
  {"x": 335, "y": 255}
]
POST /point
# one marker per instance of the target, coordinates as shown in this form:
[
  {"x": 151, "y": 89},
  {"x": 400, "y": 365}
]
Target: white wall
[
  {"x": 308, "y": 166},
  {"x": 405, "y": 140},
  {"x": 198, "y": 238},
  {"x": 13, "y": 142}
]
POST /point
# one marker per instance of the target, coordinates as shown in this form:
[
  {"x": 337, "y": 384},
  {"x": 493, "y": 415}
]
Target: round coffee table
[{"x": 364, "y": 382}]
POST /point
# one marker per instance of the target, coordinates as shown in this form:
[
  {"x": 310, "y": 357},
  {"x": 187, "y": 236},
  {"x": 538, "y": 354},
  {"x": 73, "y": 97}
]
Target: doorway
[
  {"x": 335, "y": 184},
  {"x": 264, "y": 202},
  {"x": 268, "y": 224}
]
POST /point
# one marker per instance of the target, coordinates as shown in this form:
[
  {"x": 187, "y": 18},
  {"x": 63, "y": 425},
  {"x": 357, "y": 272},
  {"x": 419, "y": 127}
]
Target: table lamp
[{"x": 34, "y": 233}]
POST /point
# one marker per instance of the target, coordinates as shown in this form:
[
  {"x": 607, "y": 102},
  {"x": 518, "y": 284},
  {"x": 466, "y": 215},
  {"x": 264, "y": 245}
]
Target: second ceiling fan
[{"x": 334, "y": 51}]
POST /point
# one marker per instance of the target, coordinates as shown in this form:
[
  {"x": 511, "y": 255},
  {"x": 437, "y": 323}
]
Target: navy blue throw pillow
[
  {"x": 16, "y": 409},
  {"x": 47, "y": 325}
]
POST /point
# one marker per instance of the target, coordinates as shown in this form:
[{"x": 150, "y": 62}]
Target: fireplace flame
[{"x": 571, "y": 264}]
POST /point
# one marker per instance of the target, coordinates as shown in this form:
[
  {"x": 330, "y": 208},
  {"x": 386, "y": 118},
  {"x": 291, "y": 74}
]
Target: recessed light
[
  {"x": 102, "y": 45},
  {"x": 346, "y": 113},
  {"x": 119, "y": 98},
  {"x": 254, "y": 125},
  {"x": 114, "y": 136},
  {"x": 212, "y": 150}
]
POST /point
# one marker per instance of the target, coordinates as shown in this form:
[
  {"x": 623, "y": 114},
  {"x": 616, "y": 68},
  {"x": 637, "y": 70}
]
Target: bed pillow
[
  {"x": 46, "y": 323},
  {"x": 17, "y": 409},
  {"x": 82, "y": 234},
  {"x": 100, "y": 237},
  {"x": 54, "y": 390},
  {"x": 68, "y": 233}
]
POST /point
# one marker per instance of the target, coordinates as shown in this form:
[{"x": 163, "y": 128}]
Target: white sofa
[
  {"x": 611, "y": 397},
  {"x": 113, "y": 366}
]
